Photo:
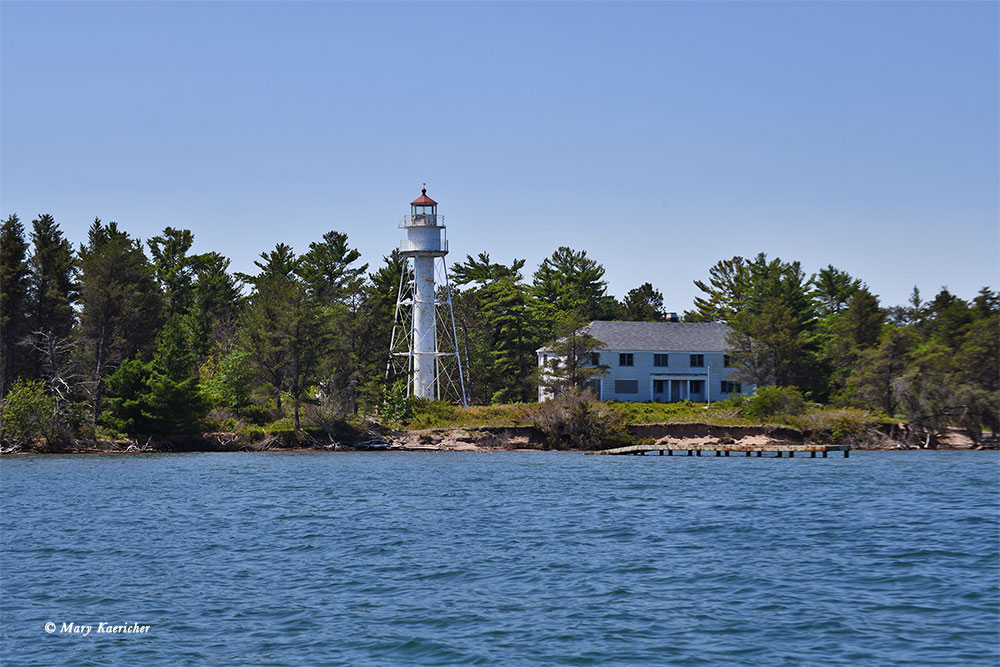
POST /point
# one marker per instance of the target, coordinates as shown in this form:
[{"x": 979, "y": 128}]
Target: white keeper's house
[{"x": 659, "y": 362}]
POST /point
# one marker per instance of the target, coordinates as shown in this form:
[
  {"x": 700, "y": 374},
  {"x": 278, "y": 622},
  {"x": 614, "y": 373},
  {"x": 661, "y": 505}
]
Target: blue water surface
[{"x": 885, "y": 558}]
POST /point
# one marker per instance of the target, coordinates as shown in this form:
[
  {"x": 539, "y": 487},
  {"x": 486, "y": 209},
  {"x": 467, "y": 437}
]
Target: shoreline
[{"x": 490, "y": 439}]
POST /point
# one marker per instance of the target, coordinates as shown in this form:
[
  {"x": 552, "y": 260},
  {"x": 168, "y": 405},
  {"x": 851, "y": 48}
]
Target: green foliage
[
  {"x": 772, "y": 314},
  {"x": 847, "y": 426},
  {"x": 833, "y": 289},
  {"x": 642, "y": 304},
  {"x": 578, "y": 420},
  {"x": 397, "y": 406},
  {"x": 122, "y": 306},
  {"x": 497, "y": 319},
  {"x": 53, "y": 288},
  {"x": 314, "y": 331},
  {"x": 14, "y": 303},
  {"x": 571, "y": 282},
  {"x": 773, "y": 401},
  {"x": 174, "y": 268},
  {"x": 26, "y": 413},
  {"x": 228, "y": 382},
  {"x": 161, "y": 396},
  {"x": 571, "y": 361}
]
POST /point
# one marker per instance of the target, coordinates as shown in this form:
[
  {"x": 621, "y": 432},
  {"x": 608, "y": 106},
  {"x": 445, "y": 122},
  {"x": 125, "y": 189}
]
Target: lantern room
[{"x": 423, "y": 211}]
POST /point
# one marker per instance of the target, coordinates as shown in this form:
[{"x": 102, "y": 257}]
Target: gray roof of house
[{"x": 684, "y": 336}]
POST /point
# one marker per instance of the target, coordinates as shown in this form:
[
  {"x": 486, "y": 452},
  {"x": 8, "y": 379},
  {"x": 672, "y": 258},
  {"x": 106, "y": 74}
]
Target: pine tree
[
  {"x": 122, "y": 305},
  {"x": 643, "y": 304},
  {"x": 14, "y": 286},
  {"x": 571, "y": 282},
  {"x": 174, "y": 268},
  {"x": 376, "y": 313},
  {"x": 570, "y": 361},
  {"x": 53, "y": 293}
]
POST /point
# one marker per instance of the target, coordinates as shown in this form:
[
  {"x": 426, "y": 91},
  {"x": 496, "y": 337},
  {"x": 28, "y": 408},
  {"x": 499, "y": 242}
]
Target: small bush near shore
[
  {"x": 27, "y": 412},
  {"x": 772, "y": 401},
  {"x": 847, "y": 426},
  {"x": 579, "y": 420}
]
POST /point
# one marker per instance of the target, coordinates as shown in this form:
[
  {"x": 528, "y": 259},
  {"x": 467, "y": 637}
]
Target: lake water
[{"x": 885, "y": 558}]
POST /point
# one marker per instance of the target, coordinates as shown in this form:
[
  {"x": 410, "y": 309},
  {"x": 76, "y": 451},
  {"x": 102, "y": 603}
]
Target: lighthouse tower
[{"x": 421, "y": 313}]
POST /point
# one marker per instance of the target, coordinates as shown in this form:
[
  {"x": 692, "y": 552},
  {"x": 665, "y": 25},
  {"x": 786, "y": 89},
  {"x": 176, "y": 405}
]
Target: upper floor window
[
  {"x": 727, "y": 361},
  {"x": 661, "y": 359},
  {"x": 595, "y": 359},
  {"x": 697, "y": 361},
  {"x": 626, "y": 359}
]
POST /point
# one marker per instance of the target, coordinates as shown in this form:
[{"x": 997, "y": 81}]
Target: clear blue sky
[{"x": 659, "y": 137}]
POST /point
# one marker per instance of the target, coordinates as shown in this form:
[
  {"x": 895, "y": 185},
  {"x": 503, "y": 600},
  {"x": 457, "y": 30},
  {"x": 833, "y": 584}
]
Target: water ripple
[{"x": 551, "y": 558}]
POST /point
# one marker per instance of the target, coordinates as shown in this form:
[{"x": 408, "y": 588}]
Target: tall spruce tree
[
  {"x": 53, "y": 293},
  {"x": 175, "y": 269},
  {"x": 122, "y": 305},
  {"x": 334, "y": 281},
  {"x": 14, "y": 286}
]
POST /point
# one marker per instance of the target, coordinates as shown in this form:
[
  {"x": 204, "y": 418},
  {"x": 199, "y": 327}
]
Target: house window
[
  {"x": 595, "y": 358},
  {"x": 697, "y": 361},
  {"x": 727, "y": 361},
  {"x": 728, "y": 387},
  {"x": 593, "y": 386},
  {"x": 626, "y": 359},
  {"x": 661, "y": 360},
  {"x": 659, "y": 386},
  {"x": 626, "y": 386},
  {"x": 697, "y": 386}
]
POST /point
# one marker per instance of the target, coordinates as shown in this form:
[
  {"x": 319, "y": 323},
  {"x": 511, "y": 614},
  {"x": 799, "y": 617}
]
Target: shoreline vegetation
[
  {"x": 125, "y": 343},
  {"x": 441, "y": 427}
]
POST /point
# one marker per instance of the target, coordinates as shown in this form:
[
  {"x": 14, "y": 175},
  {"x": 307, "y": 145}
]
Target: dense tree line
[
  {"x": 149, "y": 338},
  {"x": 933, "y": 363}
]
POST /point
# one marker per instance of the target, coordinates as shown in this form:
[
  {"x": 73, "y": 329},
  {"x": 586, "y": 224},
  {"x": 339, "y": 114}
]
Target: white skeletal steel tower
[{"x": 431, "y": 368}]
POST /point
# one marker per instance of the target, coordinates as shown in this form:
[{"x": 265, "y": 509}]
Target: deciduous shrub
[
  {"x": 771, "y": 401},
  {"x": 578, "y": 419},
  {"x": 397, "y": 406},
  {"x": 27, "y": 413},
  {"x": 847, "y": 426}
]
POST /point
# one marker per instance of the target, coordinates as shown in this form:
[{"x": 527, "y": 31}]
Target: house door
[{"x": 678, "y": 390}]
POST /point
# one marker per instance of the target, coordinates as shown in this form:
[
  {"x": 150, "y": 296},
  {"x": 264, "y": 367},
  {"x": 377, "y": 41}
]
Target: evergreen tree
[
  {"x": 570, "y": 282},
  {"x": 334, "y": 284},
  {"x": 769, "y": 345},
  {"x": 496, "y": 319},
  {"x": 571, "y": 361},
  {"x": 158, "y": 397},
  {"x": 846, "y": 335},
  {"x": 726, "y": 292},
  {"x": 14, "y": 286},
  {"x": 873, "y": 381},
  {"x": 833, "y": 289},
  {"x": 773, "y": 319},
  {"x": 216, "y": 304},
  {"x": 283, "y": 328},
  {"x": 175, "y": 269},
  {"x": 376, "y": 313},
  {"x": 175, "y": 403},
  {"x": 122, "y": 305},
  {"x": 53, "y": 292},
  {"x": 643, "y": 304}
]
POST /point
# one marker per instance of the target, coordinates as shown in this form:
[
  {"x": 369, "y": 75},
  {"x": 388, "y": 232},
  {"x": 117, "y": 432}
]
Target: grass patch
[{"x": 438, "y": 414}]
